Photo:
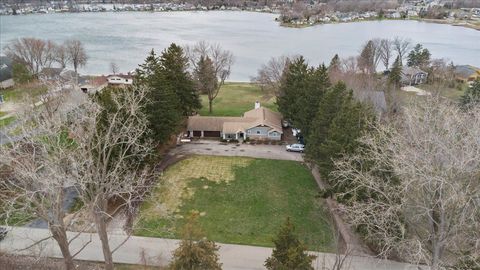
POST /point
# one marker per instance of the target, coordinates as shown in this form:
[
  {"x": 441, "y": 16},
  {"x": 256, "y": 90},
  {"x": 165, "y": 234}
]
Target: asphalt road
[{"x": 158, "y": 251}]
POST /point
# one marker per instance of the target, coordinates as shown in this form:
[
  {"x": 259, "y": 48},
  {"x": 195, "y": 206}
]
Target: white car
[{"x": 296, "y": 148}]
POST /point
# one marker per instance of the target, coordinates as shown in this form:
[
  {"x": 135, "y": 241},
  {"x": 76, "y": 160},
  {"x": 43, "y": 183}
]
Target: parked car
[
  {"x": 296, "y": 147},
  {"x": 3, "y": 233}
]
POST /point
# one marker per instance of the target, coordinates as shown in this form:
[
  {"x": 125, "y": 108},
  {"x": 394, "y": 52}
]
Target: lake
[{"x": 126, "y": 37}]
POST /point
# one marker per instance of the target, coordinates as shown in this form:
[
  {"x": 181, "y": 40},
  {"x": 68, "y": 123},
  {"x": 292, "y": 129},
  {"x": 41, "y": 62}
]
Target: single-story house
[
  {"x": 466, "y": 73},
  {"x": 413, "y": 76},
  {"x": 120, "y": 80},
  {"x": 258, "y": 124}
]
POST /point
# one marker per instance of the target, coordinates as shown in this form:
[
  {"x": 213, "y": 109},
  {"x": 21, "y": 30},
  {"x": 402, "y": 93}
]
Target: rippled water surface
[{"x": 126, "y": 37}]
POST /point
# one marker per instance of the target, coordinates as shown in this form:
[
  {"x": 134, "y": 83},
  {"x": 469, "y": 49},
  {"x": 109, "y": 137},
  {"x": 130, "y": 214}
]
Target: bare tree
[
  {"x": 385, "y": 50},
  {"x": 34, "y": 53},
  {"x": 401, "y": 46},
  {"x": 110, "y": 156},
  {"x": 76, "y": 53},
  {"x": 61, "y": 56},
  {"x": 418, "y": 178},
  {"x": 114, "y": 68},
  {"x": 39, "y": 169},
  {"x": 270, "y": 74},
  {"x": 222, "y": 59}
]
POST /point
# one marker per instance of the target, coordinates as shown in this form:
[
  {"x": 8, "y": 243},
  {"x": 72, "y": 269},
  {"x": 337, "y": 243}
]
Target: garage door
[
  {"x": 197, "y": 133},
  {"x": 211, "y": 133}
]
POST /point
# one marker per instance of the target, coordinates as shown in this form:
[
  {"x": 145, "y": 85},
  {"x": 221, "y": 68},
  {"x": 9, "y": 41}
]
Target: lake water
[{"x": 125, "y": 38}]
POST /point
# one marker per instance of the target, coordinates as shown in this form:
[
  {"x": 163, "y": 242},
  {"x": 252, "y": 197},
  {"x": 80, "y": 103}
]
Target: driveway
[{"x": 217, "y": 148}]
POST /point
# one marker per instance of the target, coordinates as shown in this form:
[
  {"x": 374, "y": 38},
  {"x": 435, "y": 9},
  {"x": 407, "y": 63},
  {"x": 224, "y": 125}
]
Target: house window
[
  {"x": 248, "y": 131},
  {"x": 258, "y": 131}
]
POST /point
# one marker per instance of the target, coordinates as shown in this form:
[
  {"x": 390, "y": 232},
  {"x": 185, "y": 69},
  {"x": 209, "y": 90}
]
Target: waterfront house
[
  {"x": 257, "y": 124},
  {"x": 413, "y": 76},
  {"x": 466, "y": 73},
  {"x": 120, "y": 80}
]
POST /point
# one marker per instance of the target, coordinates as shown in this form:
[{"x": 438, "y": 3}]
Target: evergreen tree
[
  {"x": 366, "y": 61},
  {"x": 328, "y": 108},
  {"x": 293, "y": 83},
  {"x": 289, "y": 253},
  {"x": 163, "y": 107},
  {"x": 207, "y": 80},
  {"x": 194, "y": 251},
  {"x": 348, "y": 125},
  {"x": 395, "y": 75},
  {"x": 471, "y": 97},
  {"x": 418, "y": 57},
  {"x": 21, "y": 74},
  {"x": 334, "y": 66},
  {"x": 174, "y": 65},
  {"x": 300, "y": 92}
]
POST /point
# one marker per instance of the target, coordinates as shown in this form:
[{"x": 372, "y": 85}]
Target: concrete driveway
[{"x": 217, "y": 148}]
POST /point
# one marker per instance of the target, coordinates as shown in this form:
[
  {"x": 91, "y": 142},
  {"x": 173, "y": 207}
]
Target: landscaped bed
[{"x": 238, "y": 200}]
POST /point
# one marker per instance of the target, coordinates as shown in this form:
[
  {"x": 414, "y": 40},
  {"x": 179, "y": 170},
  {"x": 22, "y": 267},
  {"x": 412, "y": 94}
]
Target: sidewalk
[{"x": 158, "y": 251}]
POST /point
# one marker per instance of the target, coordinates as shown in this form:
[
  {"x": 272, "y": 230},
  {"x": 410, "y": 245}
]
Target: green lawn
[
  {"x": 16, "y": 93},
  {"x": 239, "y": 200},
  {"x": 236, "y": 98},
  {"x": 6, "y": 121}
]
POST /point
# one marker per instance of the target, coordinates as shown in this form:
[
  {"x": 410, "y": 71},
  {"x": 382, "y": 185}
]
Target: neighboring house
[
  {"x": 120, "y": 80},
  {"x": 50, "y": 74},
  {"x": 467, "y": 73},
  {"x": 92, "y": 84},
  {"x": 413, "y": 76},
  {"x": 257, "y": 124},
  {"x": 6, "y": 72}
]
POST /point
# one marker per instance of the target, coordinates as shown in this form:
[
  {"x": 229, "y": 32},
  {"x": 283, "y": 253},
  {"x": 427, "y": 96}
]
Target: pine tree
[
  {"x": 163, "y": 108},
  {"x": 206, "y": 79},
  {"x": 293, "y": 83},
  {"x": 471, "y": 97},
  {"x": 366, "y": 61},
  {"x": 174, "y": 65},
  {"x": 194, "y": 251},
  {"x": 395, "y": 75},
  {"x": 348, "y": 125},
  {"x": 289, "y": 253},
  {"x": 328, "y": 108},
  {"x": 418, "y": 57},
  {"x": 334, "y": 66}
]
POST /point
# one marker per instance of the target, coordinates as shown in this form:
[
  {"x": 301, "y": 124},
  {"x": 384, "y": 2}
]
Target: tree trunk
[
  {"x": 210, "y": 106},
  {"x": 60, "y": 235},
  {"x": 101, "y": 222}
]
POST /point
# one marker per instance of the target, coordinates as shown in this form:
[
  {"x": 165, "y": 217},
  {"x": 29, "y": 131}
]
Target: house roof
[
  {"x": 411, "y": 71},
  {"x": 466, "y": 71},
  {"x": 253, "y": 118}
]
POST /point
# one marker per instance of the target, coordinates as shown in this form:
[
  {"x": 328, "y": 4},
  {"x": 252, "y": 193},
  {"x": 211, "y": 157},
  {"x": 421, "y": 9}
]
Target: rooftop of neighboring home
[
  {"x": 466, "y": 72},
  {"x": 411, "y": 70}
]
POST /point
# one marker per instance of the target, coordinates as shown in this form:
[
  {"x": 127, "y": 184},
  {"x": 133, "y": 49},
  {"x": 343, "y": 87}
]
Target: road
[
  {"x": 217, "y": 148},
  {"x": 158, "y": 251}
]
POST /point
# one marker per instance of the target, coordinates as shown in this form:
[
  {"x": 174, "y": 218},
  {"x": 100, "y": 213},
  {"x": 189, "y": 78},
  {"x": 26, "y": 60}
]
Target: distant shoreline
[
  {"x": 436, "y": 21},
  {"x": 466, "y": 24}
]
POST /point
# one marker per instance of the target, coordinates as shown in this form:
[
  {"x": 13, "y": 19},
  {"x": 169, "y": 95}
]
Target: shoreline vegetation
[
  {"x": 460, "y": 23},
  {"x": 472, "y": 24}
]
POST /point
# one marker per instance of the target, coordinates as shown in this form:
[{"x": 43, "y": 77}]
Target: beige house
[{"x": 257, "y": 124}]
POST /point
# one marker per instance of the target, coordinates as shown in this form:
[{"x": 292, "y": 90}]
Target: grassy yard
[
  {"x": 16, "y": 93},
  {"x": 6, "y": 121},
  {"x": 239, "y": 200},
  {"x": 236, "y": 98}
]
